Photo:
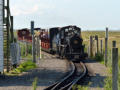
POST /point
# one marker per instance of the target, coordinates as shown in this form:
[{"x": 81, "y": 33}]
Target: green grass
[
  {"x": 108, "y": 81},
  {"x": 25, "y": 50},
  {"x": 29, "y": 56},
  {"x": 23, "y": 67},
  {"x": 79, "y": 87},
  {"x": 34, "y": 84},
  {"x": 101, "y": 34}
]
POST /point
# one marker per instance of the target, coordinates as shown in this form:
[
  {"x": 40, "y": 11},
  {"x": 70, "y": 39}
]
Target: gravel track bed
[{"x": 49, "y": 71}]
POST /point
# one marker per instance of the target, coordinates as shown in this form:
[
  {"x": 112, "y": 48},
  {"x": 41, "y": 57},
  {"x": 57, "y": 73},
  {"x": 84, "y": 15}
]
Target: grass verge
[
  {"x": 79, "y": 87},
  {"x": 23, "y": 67}
]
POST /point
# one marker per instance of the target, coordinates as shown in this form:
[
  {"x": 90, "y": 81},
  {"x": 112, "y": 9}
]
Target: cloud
[
  {"x": 30, "y": 7},
  {"x": 20, "y": 11}
]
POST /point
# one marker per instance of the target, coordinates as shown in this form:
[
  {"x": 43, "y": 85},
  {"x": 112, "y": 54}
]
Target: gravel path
[
  {"x": 97, "y": 73},
  {"x": 49, "y": 71}
]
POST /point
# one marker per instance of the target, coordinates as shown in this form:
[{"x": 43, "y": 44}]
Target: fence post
[
  {"x": 11, "y": 29},
  {"x": 114, "y": 43},
  {"x": 101, "y": 46},
  {"x": 114, "y": 67},
  {"x": 33, "y": 42},
  {"x": 27, "y": 48},
  {"x": 93, "y": 47},
  {"x": 106, "y": 47},
  {"x": 106, "y": 34},
  {"x": 97, "y": 45},
  {"x": 106, "y": 50},
  {"x": 91, "y": 43},
  {"x": 25, "y": 45},
  {"x": 8, "y": 39},
  {"x": 37, "y": 48},
  {"x": 24, "y": 48},
  {"x": 40, "y": 49}
]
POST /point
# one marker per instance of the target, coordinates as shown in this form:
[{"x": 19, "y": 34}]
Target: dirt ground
[
  {"x": 97, "y": 74},
  {"x": 49, "y": 71}
]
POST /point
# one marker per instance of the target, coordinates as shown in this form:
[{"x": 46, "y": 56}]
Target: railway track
[{"x": 77, "y": 73}]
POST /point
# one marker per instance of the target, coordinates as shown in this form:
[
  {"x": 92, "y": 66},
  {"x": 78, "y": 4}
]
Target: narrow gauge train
[{"x": 64, "y": 41}]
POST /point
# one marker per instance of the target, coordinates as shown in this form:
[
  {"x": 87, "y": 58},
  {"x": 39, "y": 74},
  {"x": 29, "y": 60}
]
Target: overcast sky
[{"x": 87, "y": 14}]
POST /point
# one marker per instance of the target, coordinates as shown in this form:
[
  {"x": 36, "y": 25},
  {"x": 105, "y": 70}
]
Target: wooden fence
[{"x": 93, "y": 49}]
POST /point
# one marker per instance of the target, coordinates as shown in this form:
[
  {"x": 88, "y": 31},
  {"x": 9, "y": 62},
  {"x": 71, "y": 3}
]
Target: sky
[{"x": 86, "y": 14}]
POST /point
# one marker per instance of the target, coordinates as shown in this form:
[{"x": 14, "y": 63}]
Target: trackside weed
[{"x": 34, "y": 84}]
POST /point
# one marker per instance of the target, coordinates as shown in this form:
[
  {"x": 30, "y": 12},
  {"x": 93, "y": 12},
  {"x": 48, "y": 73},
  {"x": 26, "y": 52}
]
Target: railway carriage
[
  {"x": 47, "y": 40},
  {"x": 24, "y": 35}
]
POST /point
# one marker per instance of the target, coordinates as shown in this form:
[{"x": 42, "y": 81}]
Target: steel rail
[
  {"x": 51, "y": 87},
  {"x": 70, "y": 85},
  {"x": 68, "y": 82}
]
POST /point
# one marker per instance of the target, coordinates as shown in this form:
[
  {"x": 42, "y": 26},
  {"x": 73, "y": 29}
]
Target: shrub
[
  {"x": 25, "y": 66},
  {"x": 99, "y": 57}
]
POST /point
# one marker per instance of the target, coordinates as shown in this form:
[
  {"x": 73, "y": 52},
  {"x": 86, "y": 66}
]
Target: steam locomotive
[{"x": 66, "y": 42}]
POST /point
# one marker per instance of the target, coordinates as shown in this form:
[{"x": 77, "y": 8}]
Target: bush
[
  {"x": 99, "y": 57},
  {"x": 25, "y": 66}
]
